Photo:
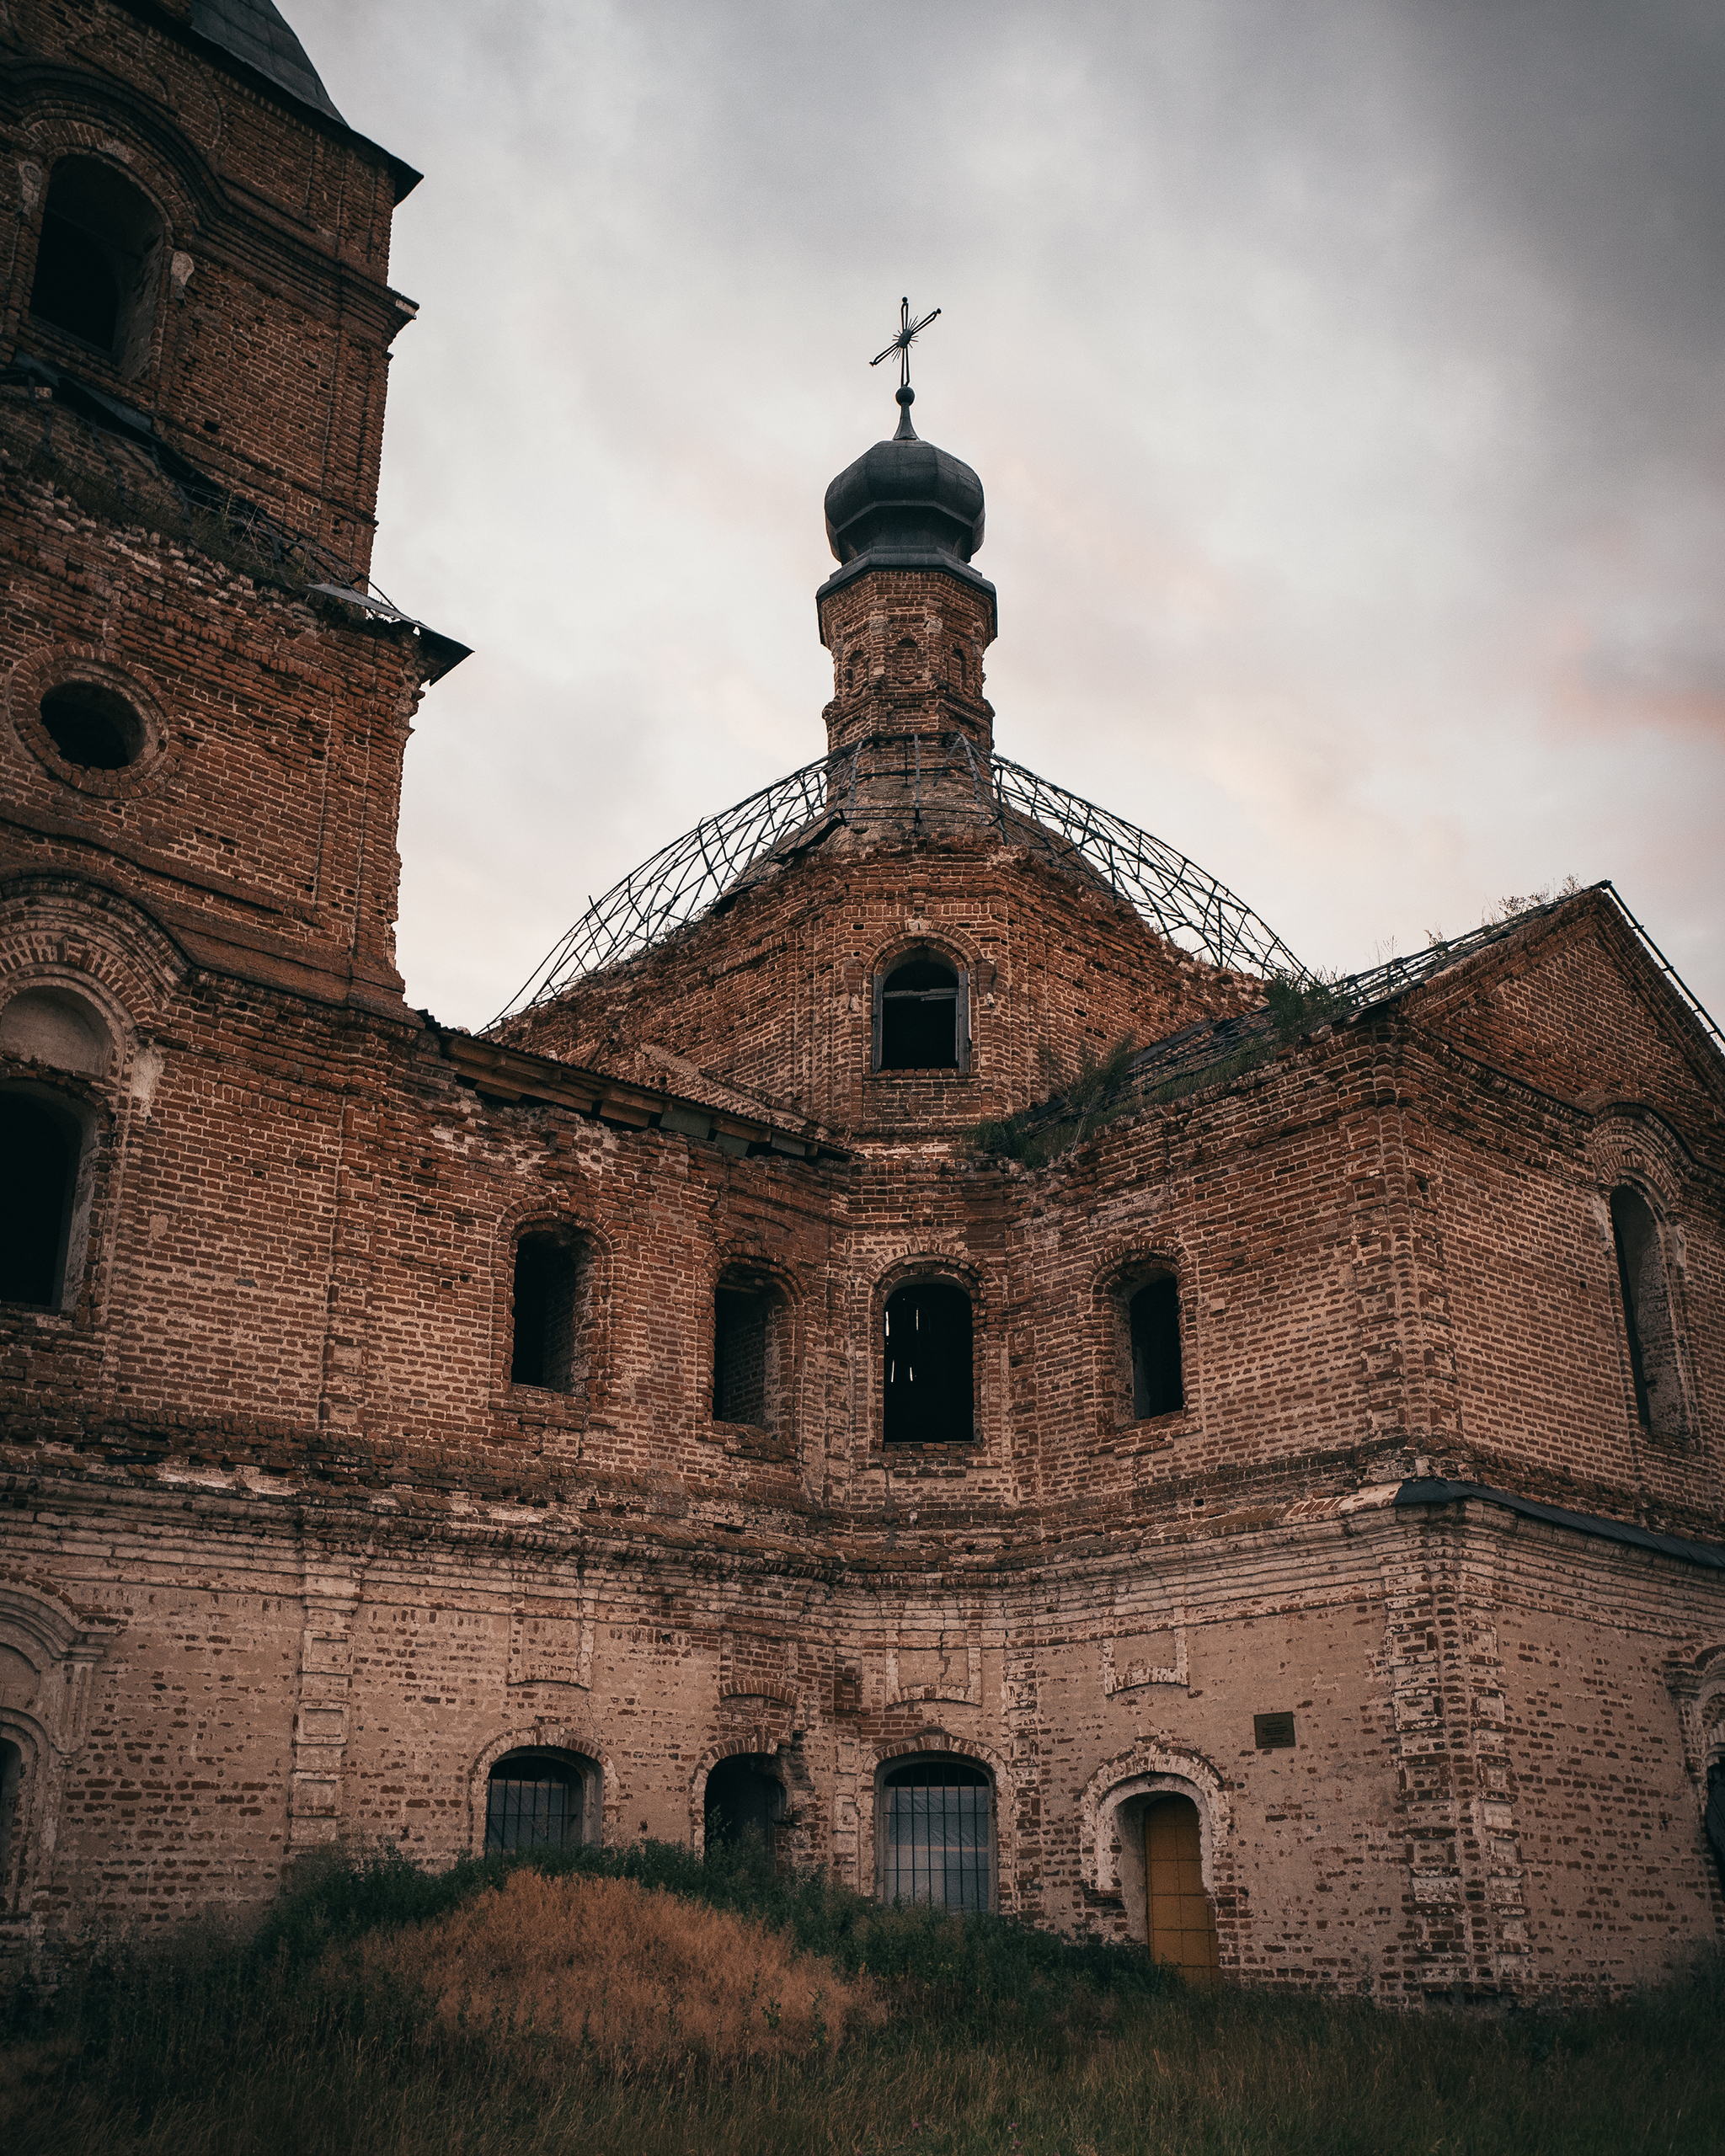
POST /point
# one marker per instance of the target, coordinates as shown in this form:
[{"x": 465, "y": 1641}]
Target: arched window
[
  {"x": 936, "y": 1834},
  {"x": 549, "y": 1341},
  {"x": 1716, "y": 1815},
  {"x": 1153, "y": 1341},
  {"x": 1182, "y": 1926},
  {"x": 97, "y": 261},
  {"x": 927, "y": 1385},
  {"x": 751, "y": 1350},
  {"x": 40, "y": 1143},
  {"x": 961, "y": 666},
  {"x": 535, "y": 1800},
  {"x": 1647, "y": 1313},
  {"x": 922, "y": 1017},
  {"x": 745, "y": 1801}
]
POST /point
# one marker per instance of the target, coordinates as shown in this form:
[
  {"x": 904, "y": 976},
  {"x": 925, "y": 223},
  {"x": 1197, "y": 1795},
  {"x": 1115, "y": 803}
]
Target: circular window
[{"x": 94, "y": 729}]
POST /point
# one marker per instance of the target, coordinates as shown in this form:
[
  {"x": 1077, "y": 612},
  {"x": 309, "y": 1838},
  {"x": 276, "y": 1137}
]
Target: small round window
[{"x": 93, "y": 729}]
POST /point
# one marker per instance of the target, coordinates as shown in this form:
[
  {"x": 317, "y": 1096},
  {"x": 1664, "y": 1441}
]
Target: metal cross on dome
[{"x": 908, "y": 332}]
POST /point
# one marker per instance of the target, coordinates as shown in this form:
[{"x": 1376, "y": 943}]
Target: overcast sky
[{"x": 1346, "y": 380}]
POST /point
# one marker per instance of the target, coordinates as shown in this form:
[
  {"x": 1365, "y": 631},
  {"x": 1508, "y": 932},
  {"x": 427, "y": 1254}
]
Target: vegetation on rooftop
[
  {"x": 1101, "y": 1090},
  {"x": 649, "y": 2001}
]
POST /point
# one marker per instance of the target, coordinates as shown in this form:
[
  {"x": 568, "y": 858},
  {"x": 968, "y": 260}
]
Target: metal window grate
[
  {"x": 936, "y": 1841},
  {"x": 534, "y": 1811}
]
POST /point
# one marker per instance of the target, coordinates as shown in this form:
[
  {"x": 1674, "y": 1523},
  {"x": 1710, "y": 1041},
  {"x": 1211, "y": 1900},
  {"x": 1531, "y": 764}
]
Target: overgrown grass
[{"x": 997, "y": 2039}]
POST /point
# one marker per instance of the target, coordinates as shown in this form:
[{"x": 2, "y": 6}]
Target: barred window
[
  {"x": 534, "y": 1801},
  {"x": 937, "y": 1834}
]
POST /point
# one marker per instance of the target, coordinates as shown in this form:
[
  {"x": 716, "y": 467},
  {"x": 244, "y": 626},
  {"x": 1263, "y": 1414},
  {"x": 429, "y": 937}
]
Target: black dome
[{"x": 903, "y": 502}]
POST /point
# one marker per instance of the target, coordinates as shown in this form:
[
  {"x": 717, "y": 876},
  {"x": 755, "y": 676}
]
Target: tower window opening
[
  {"x": 97, "y": 261},
  {"x": 1153, "y": 1330},
  {"x": 961, "y": 668},
  {"x": 39, "y": 1163},
  {"x": 922, "y": 1018},
  {"x": 936, "y": 1820},
  {"x": 1647, "y": 1313},
  {"x": 750, "y": 1350},
  {"x": 534, "y": 1799},
  {"x": 927, "y": 1382},
  {"x": 93, "y": 728},
  {"x": 745, "y": 1803},
  {"x": 548, "y": 1343}
]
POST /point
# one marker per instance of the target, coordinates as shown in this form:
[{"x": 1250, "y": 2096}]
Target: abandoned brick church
[{"x": 1261, "y": 1493}]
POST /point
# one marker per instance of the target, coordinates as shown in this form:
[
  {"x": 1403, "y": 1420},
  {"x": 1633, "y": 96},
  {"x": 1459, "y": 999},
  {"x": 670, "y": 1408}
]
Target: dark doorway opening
[
  {"x": 927, "y": 1386},
  {"x": 1153, "y": 1318},
  {"x": 533, "y": 1801},
  {"x": 38, "y": 1170},
  {"x": 745, "y": 1801},
  {"x": 919, "y": 1018}
]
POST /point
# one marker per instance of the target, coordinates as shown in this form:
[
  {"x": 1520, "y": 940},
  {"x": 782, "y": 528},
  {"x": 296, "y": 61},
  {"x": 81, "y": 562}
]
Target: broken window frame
[
  {"x": 132, "y": 257},
  {"x": 970, "y": 1432},
  {"x": 880, "y": 995}
]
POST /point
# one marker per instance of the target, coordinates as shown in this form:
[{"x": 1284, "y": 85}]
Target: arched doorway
[
  {"x": 745, "y": 1799},
  {"x": 1182, "y": 1926}
]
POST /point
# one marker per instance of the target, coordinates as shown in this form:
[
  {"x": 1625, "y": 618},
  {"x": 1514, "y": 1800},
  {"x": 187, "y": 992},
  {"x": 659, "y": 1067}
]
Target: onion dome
[{"x": 905, "y": 505}]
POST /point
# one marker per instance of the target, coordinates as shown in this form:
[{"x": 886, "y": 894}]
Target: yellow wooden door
[{"x": 1183, "y": 1927}]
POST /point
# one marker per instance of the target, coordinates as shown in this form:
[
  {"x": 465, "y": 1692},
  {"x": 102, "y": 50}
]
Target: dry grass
[
  {"x": 398, "y": 2013},
  {"x": 624, "y": 1978}
]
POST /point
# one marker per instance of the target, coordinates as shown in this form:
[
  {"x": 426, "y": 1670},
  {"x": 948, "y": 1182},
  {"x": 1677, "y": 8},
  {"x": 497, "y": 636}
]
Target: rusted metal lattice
[{"x": 916, "y": 785}]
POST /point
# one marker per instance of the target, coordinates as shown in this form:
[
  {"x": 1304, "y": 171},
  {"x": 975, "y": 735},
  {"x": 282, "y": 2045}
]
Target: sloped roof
[{"x": 252, "y": 31}]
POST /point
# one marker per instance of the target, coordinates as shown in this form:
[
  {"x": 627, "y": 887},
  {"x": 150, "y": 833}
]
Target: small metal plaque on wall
[{"x": 1272, "y": 1732}]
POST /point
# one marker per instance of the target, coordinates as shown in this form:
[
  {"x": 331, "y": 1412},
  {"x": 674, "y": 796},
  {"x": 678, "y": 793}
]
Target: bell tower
[{"x": 906, "y": 617}]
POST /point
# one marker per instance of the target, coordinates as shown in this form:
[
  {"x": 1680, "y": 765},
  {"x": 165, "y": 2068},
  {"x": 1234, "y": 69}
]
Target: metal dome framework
[{"x": 898, "y": 782}]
